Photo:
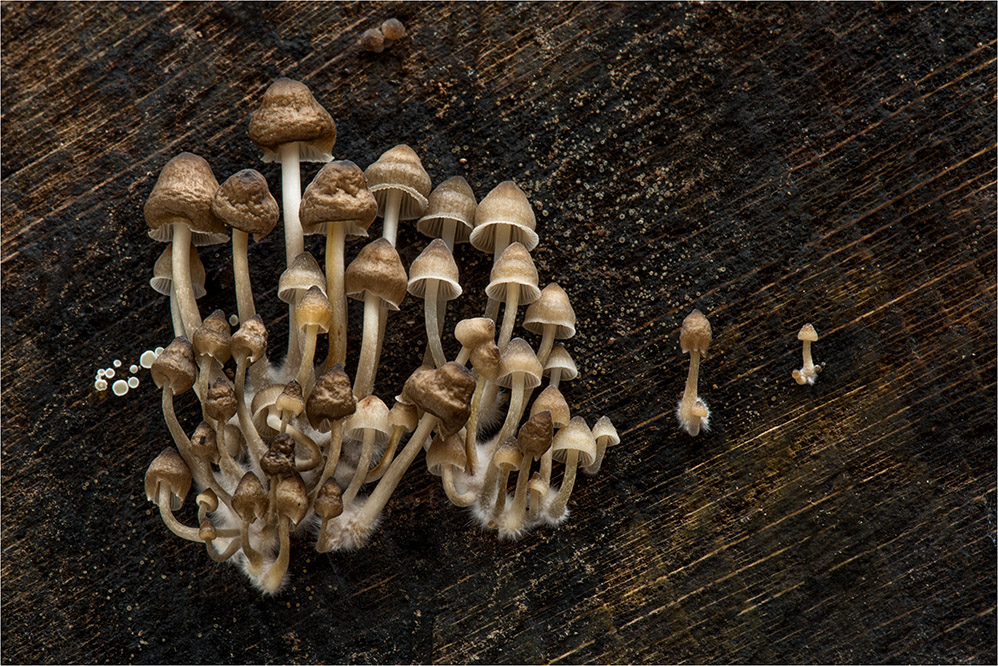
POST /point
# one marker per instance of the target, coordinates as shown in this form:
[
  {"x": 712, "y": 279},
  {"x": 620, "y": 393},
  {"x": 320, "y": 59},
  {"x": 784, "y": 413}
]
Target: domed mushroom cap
[
  {"x": 515, "y": 267},
  {"x": 552, "y": 308},
  {"x": 575, "y": 436},
  {"x": 250, "y": 341},
  {"x": 435, "y": 263},
  {"x": 551, "y": 400},
  {"x": 338, "y": 195},
  {"x": 244, "y": 202},
  {"x": 393, "y": 29},
  {"x": 807, "y": 333},
  {"x": 292, "y": 498},
  {"x": 560, "y": 359},
  {"x": 168, "y": 472},
  {"x": 314, "y": 310},
  {"x": 162, "y": 273},
  {"x": 213, "y": 337},
  {"x": 206, "y": 530},
  {"x": 182, "y": 195},
  {"x": 446, "y": 451},
  {"x": 444, "y": 392},
  {"x": 403, "y": 415},
  {"x": 534, "y": 437},
  {"x": 604, "y": 429},
  {"x": 332, "y": 399},
  {"x": 220, "y": 402},
  {"x": 291, "y": 399},
  {"x": 400, "y": 169},
  {"x": 250, "y": 499},
  {"x": 508, "y": 455},
  {"x": 485, "y": 359},
  {"x": 289, "y": 113},
  {"x": 204, "y": 444},
  {"x": 695, "y": 335},
  {"x": 377, "y": 269},
  {"x": 474, "y": 332},
  {"x": 519, "y": 358},
  {"x": 371, "y": 415},
  {"x": 207, "y": 500},
  {"x": 175, "y": 368},
  {"x": 329, "y": 501},
  {"x": 505, "y": 205},
  {"x": 299, "y": 277},
  {"x": 451, "y": 201}
]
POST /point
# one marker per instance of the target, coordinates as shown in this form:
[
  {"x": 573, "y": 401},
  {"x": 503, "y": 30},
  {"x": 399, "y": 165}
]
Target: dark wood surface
[{"x": 769, "y": 164}]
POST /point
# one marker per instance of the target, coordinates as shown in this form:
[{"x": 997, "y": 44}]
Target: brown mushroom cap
[
  {"x": 435, "y": 263},
  {"x": 534, "y": 437},
  {"x": 508, "y": 455},
  {"x": 162, "y": 273},
  {"x": 575, "y": 436},
  {"x": 291, "y": 399},
  {"x": 338, "y": 195},
  {"x": 472, "y": 333},
  {"x": 444, "y": 392},
  {"x": 332, "y": 399},
  {"x": 183, "y": 194},
  {"x": 250, "y": 341},
  {"x": 560, "y": 359},
  {"x": 446, "y": 451},
  {"x": 168, "y": 472},
  {"x": 314, "y": 310},
  {"x": 403, "y": 415},
  {"x": 553, "y": 307},
  {"x": 451, "y": 201},
  {"x": 289, "y": 113},
  {"x": 519, "y": 358},
  {"x": 204, "y": 444},
  {"x": 329, "y": 503},
  {"x": 515, "y": 267},
  {"x": 244, "y": 202},
  {"x": 299, "y": 277},
  {"x": 377, "y": 269},
  {"x": 213, "y": 337},
  {"x": 400, "y": 169},
  {"x": 695, "y": 335},
  {"x": 393, "y": 29},
  {"x": 279, "y": 460},
  {"x": 551, "y": 400},
  {"x": 206, "y": 531},
  {"x": 220, "y": 402},
  {"x": 807, "y": 334},
  {"x": 485, "y": 359},
  {"x": 207, "y": 500},
  {"x": 292, "y": 498},
  {"x": 265, "y": 402},
  {"x": 604, "y": 429},
  {"x": 505, "y": 205},
  {"x": 372, "y": 40},
  {"x": 371, "y": 414},
  {"x": 250, "y": 499},
  {"x": 175, "y": 367}
]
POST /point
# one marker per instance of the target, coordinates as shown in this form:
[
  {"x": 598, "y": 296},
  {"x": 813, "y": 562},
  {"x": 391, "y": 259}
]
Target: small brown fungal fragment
[
  {"x": 372, "y": 40},
  {"x": 393, "y": 29}
]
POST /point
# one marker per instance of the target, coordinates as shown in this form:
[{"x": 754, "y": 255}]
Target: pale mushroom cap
[
  {"x": 292, "y": 498},
  {"x": 561, "y": 359},
  {"x": 314, "y": 310},
  {"x": 446, "y": 451},
  {"x": 695, "y": 335},
  {"x": 552, "y": 400},
  {"x": 537, "y": 486},
  {"x": 378, "y": 269},
  {"x": 444, "y": 392},
  {"x": 162, "y": 273},
  {"x": 553, "y": 307},
  {"x": 515, "y": 267},
  {"x": 508, "y": 455},
  {"x": 393, "y": 29},
  {"x": 435, "y": 263},
  {"x": 213, "y": 337},
  {"x": 338, "y": 195},
  {"x": 182, "y": 195},
  {"x": 403, "y": 415},
  {"x": 175, "y": 367},
  {"x": 303, "y": 274},
  {"x": 250, "y": 341},
  {"x": 263, "y": 400},
  {"x": 244, "y": 202},
  {"x": 371, "y": 414},
  {"x": 505, "y": 205},
  {"x": 604, "y": 429},
  {"x": 475, "y": 332},
  {"x": 291, "y": 398},
  {"x": 575, "y": 436},
  {"x": 250, "y": 499},
  {"x": 208, "y": 500},
  {"x": 331, "y": 399},
  {"x": 451, "y": 201},
  {"x": 168, "y": 471},
  {"x": 807, "y": 333},
  {"x": 519, "y": 358},
  {"x": 289, "y": 113},
  {"x": 400, "y": 169}
]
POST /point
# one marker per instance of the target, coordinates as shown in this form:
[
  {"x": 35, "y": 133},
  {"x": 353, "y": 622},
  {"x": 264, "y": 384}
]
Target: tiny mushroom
[
  {"x": 534, "y": 440},
  {"x": 314, "y": 316},
  {"x": 162, "y": 282},
  {"x": 513, "y": 280},
  {"x": 328, "y": 505},
  {"x": 519, "y": 370},
  {"x": 433, "y": 276},
  {"x": 694, "y": 338},
  {"x": 211, "y": 344},
  {"x": 560, "y": 366},
  {"x": 292, "y": 506},
  {"x": 606, "y": 436},
  {"x": 551, "y": 316},
  {"x": 445, "y": 457},
  {"x": 249, "y": 502},
  {"x": 168, "y": 480},
  {"x": 574, "y": 445},
  {"x": 331, "y": 401},
  {"x": 393, "y": 29},
  {"x": 809, "y": 372},
  {"x": 401, "y": 186},
  {"x": 368, "y": 424},
  {"x": 303, "y": 274},
  {"x": 174, "y": 372}
]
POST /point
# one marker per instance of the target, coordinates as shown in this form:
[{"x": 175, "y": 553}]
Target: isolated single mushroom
[
  {"x": 248, "y": 346},
  {"x": 179, "y": 211},
  {"x": 519, "y": 370},
  {"x": 445, "y": 457},
  {"x": 328, "y": 505},
  {"x": 433, "y": 277},
  {"x": 450, "y": 214},
  {"x": 244, "y": 203},
  {"x": 401, "y": 186},
  {"x": 513, "y": 280},
  {"x": 331, "y": 401},
  {"x": 337, "y": 203},
  {"x": 292, "y": 505},
  {"x": 314, "y": 316},
  {"x": 393, "y": 29},
  {"x": 560, "y": 366},
  {"x": 809, "y": 372},
  {"x": 606, "y": 436},
  {"x": 533, "y": 440},
  {"x": 211, "y": 343},
  {"x": 694, "y": 338},
  {"x": 174, "y": 372},
  {"x": 303, "y": 274},
  {"x": 574, "y": 445},
  {"x": 168, "y": 480},
  {"x": 162, "y": 282},
  {"x": 551, "y": 316},
  {"x": 376, "y": 276},
  {"x": 369, "y": 425}
]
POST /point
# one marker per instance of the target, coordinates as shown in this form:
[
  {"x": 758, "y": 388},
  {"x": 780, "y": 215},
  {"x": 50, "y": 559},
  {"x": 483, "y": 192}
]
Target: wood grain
[{"x": 769, "y": 164}]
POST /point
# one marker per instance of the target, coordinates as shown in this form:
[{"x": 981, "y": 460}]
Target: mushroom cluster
[{"x": 298, "y": 448}]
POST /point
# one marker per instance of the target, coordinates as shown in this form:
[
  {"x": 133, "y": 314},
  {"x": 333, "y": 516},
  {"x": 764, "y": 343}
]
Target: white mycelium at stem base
[
  {"x": 694, "y": 338},
  {"x": 574, "y": 445}
]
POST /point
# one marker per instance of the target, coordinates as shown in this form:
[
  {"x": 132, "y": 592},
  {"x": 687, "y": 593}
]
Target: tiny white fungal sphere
[
  {"x": 100, "y": 385},
  {"x": 120, "y": 387},
  {"x": 117, "y": 363},
  {"x": 109, "y": 373},
  {"x": 100, "y": 373},
  {"x": 233, "y": 320},
  {"x": 133, "y": 368},
  {"x": 133, "y": 382},
  {"x": 147, "y": 359},
  {"x": 159, "y": 350}
]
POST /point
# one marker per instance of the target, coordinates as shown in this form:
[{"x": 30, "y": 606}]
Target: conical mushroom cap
[
  {"x": 474, "y": 332},
  {"x": 435, "y": 263},
  {"x": 183, "y": 195},
  {"x": 292, "y": 498},
  {"x": 560, "y": 359},
  {"x": 175, "y": 368},
  {"x": 534, "y": 437},
  {"x": 250, "y": 341},
  {"x": 695, "y": 335},
  {"x": 244, "y": 202},
  {"x": 371, "y": 414},
  {"x": 446, "y": 451},
  {"x": 515, "y": 267},
  {"x": 451, "y": 202},
  {"x": 552, "y": 308},
  {"x": 329, "y": 502},
  {"x": 485, "y": 359},
  {"x": 807, "y": 334},
  {"x": 444, "y": 392},
  {"x": 551, "y": 400},
  {"x": 220, "y": 403},
  {"x": 279, "y": 460},
  {"x": 338, "y": 195},
  {"x": 576, "y": 435},
  {"x": 314, "y": 310},
  {"x": 403, "y": 415},
  {"x": 289, "y": 113},
  {"x": 204, "y": 444},
  {"x": 506, "y": 205},
  {"x": 250, "y": 499},
  {"x": 169, "y": 472},
  {"x": 508, "y": 455},
  {"x": 400, "y": 169},
  {"x": 331, "y": 400},
  {"x": 291, "y": 398},
  {"x": 604, "y": 429},
  {"x": 377, "y": 269},
  {"x": 213, "y": 337},
  {"x": 302, "y": 274},
  {"x": 162, "y": 272},
  {"x": 519, "y": 358}
]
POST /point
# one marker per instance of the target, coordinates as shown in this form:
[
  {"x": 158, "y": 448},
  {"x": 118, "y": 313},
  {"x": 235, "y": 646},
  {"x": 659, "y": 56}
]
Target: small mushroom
[
  {"x": 443, "y": 458},
  {"x": 403, "y": 417},
  {"x": 369, "y": 424},
  {"x": 433, "y": 276},
  {"x": 694, "y": 338},
  {"x": 211, "y": 344},
  {"x": 401, "y": 186},
  {"x": 606, "y": 436},
  {"x": 533, "y": 440},
  {"x": 514, "y": 280},
  {"x": 162, "y": 282},
  {"x": 314, "y": 316},
  {"x": 519, "y": 370},
  {"x": 551, "y": 400},
  {"x": 328, "y": 505},
  {"x": 174, "y": 372},
  {"x": 331, "y": 401},
  {"x": 204, "y": 449},
  {"x": 249, "y": 501},
  {"x": 168, "y": 480},
  {"x": 292, "y": 506},
  {"x": 248, "y": 346},
  {"x": 450, "y": 215},
  {"x": 303, "y": 274},
  {"x": 551, "y": 316},
  {"x": 492, "y": 499},
  {"x": 560, "y": 366},
  {"x": 574, "y": 445},
  {"x": 809, "y": 372}
]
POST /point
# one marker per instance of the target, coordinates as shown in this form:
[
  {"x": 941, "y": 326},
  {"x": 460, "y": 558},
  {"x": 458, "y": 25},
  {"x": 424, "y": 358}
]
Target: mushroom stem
[
  {"x": 808, "y": 363},
  {"x": 178, "y": 321},
  {"x": 332, "y": 458},
  {"x": 490, "y": 484},
  {"x": 366, "y": 366},
  {"x": 392, "y": 205},
  {"x": 448, "y": 232},
  {"x": 518, "y": 509},
  {"x": 509, "y": 315},
  {"x": 306, "y": 371},
  {"x": 463, "y": 356},
  {"x": 547, "y": 343},
  {"x": 181, "y": 258},
  {"x": 546, "y": 464},
  {"x": 515, "y": 408},
  {"x": 294, "y": 237},
  {"x": 253, "y": 557},
  {"x": 240, "y": 269},
  {"x": 335, "y": 241},
  {"x": 433, "y": 323},
  {"x": 232, "y": 470},
  {"x": 253, "y": 440},
  {"x": 471, "y": 434},
  {"x": 560, "y": 501},
  {"x": 456, "y": 498},
  {"x": 179, "y": 436},
  {"x": 275, "y": 575},
  {"x": 500, "y": 503},
  {"x": 363, "y": 465},
  {"x": 175, "y": 526},
  {"x": 501, "y": 243},
  {"x": 555, "y": 377},
  {"x": 224, "y": 556},
  {"x": 386, "y": 459},
  {"x": 314, "y": 454},
  {"x": 686, "y": 407}
]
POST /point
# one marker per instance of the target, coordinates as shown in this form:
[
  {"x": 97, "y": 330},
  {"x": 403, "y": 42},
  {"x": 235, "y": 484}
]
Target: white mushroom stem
[
  {"x": 808, "y": 363},
  {"x": 448, "y": 231},
  {"x": 306, "y": 371},
  {"x": 516, "y": 404},
  {"x": 501, "y": 243},
  {"x": 332, "y": 458},
  {"x": 471, "y": 434},
  {"x": 547, "y": 342},
  {"x": 253, "y": 557},
  {"x": 240, "y": 269},
  {"x": 335, "y": 242},
  {"x": 509, "y": 315},
  {"x": 294, "y": 237},
  {"x": 367, "y": 366},
  {"x": 363, "y": 465},
  {"x": 180, "y": 437},
  {"x": 175, "y": 526},
  {"x": 546, "y": 464},
  {"x": 314, "y": 454},
  {"x": 518, "y": 509},
  {"x": 392, "y": 206},
  {"x": 560, "y": 501},
  {"x": 181, "y": 278},
  {"x": 456, "y": 498},
  {"x": 275, "y": 575},
  {"x": 226, "y": 463},
  {"x": 178, "y": 321},
  {"x": 386, "y": 459},
  {"x": 686, "y": 407},
  {"x": 433, "y": 322},
  {"x": 253, "y": 440},
  {"x": 555, "y": 377}
]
